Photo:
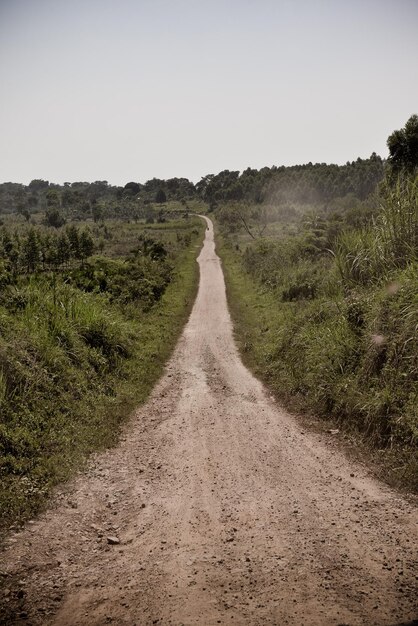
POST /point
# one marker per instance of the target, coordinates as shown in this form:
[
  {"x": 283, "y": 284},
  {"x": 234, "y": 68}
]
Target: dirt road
[{"x": 216, "y": 508}]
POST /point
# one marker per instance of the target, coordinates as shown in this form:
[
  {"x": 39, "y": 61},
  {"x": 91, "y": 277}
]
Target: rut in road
[{"x": 216, "y": 508}]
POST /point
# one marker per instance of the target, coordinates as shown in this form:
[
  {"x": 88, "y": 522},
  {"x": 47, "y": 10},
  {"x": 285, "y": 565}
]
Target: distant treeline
[
  {"x": 310, "y": 183},
  {"x": 296, "y": 186},
  {"x": 302, "y": 184}
]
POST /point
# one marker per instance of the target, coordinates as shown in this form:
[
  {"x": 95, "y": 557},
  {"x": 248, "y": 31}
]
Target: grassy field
[
  {"x": 75, "y": 360},
  {"x": 335, "y": 336}
]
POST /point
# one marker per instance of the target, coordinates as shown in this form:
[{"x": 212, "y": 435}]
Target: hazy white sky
[{"x": 124, "y": 90}]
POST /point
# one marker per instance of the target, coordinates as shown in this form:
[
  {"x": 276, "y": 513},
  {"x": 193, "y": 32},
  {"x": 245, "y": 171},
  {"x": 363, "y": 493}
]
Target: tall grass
[
  {"x": 73, "y": 364},
  {"x": 337, "y": 336},
  {"x": 369, "y": 255}
]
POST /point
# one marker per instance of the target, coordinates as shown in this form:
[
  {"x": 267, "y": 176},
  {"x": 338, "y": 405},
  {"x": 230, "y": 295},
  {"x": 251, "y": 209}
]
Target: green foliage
[
  {"x": 31, "y": 251},
  {"x": 285, "y": 188},
  {"x": 98, "y": 200},
  {"x": 403, "y": 147},
  {"x": 86, "y": 245},
  {"x": 54, "y": 218},
  {"x": 329, "y": 316},
  {"x": 160, "y": 196},
  {"x": 38, "y": 184},
  {"x": 140, "y": 281},
  {"x": 135, "y": 188},
  {"x": 37, "y": 249},
  {"x": 79, "y": 349},
  {"x": 318, "y": 184},
  {"x": 372, "y": 253}
]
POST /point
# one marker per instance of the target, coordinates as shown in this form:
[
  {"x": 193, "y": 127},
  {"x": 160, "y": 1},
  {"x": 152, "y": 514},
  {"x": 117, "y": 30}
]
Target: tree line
[
  {"x": 311, "y": 183},
  {"x": 42, "y": 250},
  {"x": 308, "y": 184}
]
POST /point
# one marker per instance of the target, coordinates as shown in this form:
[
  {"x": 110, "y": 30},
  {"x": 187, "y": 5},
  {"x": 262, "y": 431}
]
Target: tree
[
  {"x": 31, "y": 252},
  {"x": 66, "y": 196},
  {"x": 38, "y": 184},
  {"x": 63, "y": 249},
  {"x": 11, "y": 250},
  {"x": 32, "y": 201},
  {"x": 97, "y": 212},
  {"x": 151, "y": 247},
  {"x": 72, "y": 234},
  {"x": 86, "y": 245},
  {"x": 134, "y": 187},
  {"x": 24, "y": 212},
  {"x": 48, "y": 245},
  {"x": 149, "y": 215},
  {"x": 235, "y": 216},
  {"x": 160, "y": 196},
  {"x": 403, "y": 146},
  {"x": 53, "y": 198},
  {"x": 54, "y": 218}
]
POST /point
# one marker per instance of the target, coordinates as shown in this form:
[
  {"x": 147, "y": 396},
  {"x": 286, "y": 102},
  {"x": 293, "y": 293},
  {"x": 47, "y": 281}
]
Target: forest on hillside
[{"x": 300, "y": 185}]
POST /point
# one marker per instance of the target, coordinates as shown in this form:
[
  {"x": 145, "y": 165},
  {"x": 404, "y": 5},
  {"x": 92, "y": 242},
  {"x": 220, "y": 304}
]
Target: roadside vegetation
[
  {"x": 87, "y": 321},
  {"x": 96, "y": 282},
  {"x": 326, "y": 306}
]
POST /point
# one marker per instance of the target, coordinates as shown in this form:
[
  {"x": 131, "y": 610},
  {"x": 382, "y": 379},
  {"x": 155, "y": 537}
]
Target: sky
[{"x": 128, "y": 90}]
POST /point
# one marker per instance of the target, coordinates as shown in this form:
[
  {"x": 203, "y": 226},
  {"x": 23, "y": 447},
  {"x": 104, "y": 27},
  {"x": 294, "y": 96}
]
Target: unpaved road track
[{"x": 226, "y": 512}]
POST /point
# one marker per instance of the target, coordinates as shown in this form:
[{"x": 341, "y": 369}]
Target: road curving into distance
[{"x": 216, "y": 508}]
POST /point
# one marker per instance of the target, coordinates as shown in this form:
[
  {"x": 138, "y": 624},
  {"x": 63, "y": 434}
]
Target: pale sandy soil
[{"x": 226, "y": 510}]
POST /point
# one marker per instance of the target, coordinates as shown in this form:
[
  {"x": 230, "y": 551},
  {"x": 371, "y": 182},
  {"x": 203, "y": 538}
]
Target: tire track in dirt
[{"x": 221, "y": 509}]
